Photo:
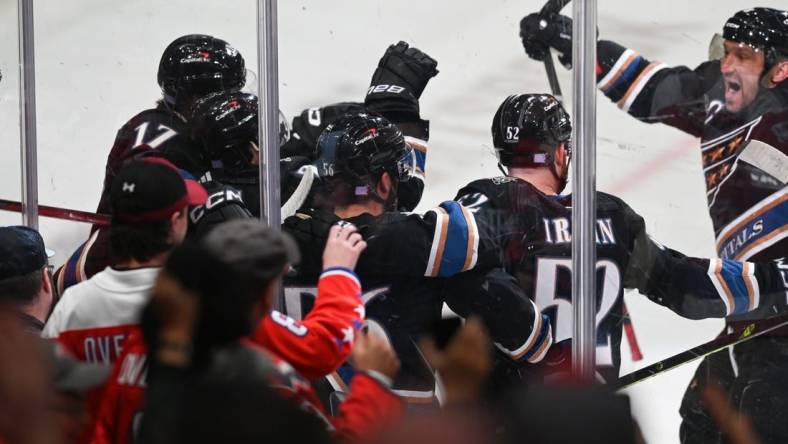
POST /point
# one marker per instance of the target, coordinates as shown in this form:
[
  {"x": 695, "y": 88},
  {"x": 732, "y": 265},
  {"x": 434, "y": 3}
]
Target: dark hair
[
  {"x": 138, "y": 242},
  {"x": 226, "y": 296},
  {"x": 22, "y": 289}
]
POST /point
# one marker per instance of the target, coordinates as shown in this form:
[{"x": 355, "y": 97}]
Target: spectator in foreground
[
  {"x": 25, "y": 283},
  {"x": 205, "y": 303},
  {"x": 313, "y": 346},
  {"x": 150, "y": 202}
]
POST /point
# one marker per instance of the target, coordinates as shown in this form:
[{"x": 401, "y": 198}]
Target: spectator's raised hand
[
  {"x": 373, "y": 353},
  {"x": 343, "y": 246},
  {"x": 465, "y": 362}
]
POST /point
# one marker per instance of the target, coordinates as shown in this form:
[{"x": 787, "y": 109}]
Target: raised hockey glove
[
  {"x": 400, "y": 78},
  {"x": 540, "y": 33}
]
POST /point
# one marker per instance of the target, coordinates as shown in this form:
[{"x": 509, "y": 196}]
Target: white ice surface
[{"x": 96, "y": 67}]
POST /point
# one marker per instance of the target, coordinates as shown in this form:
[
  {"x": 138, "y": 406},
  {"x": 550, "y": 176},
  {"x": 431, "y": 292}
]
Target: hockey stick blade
[
  {"x": 752, "y": 330},
  {"x": 58, "y": 213},
  {"x": 553, "y": 6}
]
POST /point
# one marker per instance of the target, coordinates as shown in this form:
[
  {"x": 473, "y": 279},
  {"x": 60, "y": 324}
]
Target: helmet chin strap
[{"x": 561, "y": 181}]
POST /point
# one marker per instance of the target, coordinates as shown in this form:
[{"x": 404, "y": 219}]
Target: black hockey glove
[
  {"x": 399, "y": 80},
  {"x": 540, "y": 33},
  {"x": 224, "y": 203}
]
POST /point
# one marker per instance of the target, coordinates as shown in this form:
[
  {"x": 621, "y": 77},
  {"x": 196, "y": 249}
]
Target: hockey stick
[
  {"x": 553, "y": 6},
  {"x": 58, "y": 213},
  {"x": 629, "y": 330},
  {"x": 752, "y": 330},
  {"x": 300, "y": 194}
]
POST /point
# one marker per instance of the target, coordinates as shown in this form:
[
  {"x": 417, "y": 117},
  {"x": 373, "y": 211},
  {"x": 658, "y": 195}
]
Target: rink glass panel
[
  {"x": 10, "y": 177},
  {"x": 654, "y": 168},
  {"x": 659, "y": 171},
  {"x": 96, "y": 68}
]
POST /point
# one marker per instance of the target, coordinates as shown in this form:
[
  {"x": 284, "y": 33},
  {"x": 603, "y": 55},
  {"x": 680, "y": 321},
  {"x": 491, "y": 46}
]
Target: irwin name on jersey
[{"x": 557, "y": 231}]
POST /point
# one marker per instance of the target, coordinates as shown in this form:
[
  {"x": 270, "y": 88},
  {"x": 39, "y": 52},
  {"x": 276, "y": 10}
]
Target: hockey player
[
  {"x": 191, "y": 66},
  {"x": 530, "y": 220},
  {"x": 407, "y": 254},
  {"x": 737, "y": 106},
  {"x": 224, "y": 127},
  {"x": 394, "y": 92}
]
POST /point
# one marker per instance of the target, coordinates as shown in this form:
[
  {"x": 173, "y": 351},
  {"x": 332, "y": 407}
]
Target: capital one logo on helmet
[{"x": 368, "y": 135}]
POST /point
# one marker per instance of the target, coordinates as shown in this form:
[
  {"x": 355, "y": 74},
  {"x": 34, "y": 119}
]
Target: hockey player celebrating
[
  {"x": 394, "y": 92},
  {"x": 737, "y": 106},
  {"x": 224, "y": 127},
  {"x": 407, "y": 254},
  {"x": 191, "y": 66},
  {"x": 528, "y": 217}
]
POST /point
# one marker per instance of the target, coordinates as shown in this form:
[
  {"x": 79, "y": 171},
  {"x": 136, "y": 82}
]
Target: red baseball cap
[{"x": 151, "y": 190}]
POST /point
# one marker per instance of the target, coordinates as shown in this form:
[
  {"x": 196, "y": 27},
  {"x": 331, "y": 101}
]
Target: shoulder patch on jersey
[{"x": 502, "y": 179}]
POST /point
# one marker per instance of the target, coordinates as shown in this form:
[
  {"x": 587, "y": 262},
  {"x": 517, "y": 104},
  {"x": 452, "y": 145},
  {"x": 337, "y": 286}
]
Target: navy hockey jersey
[
  {"x": 744, "y": 154},
  {"x": 533, "y": 230},
  {"x": 404, "y": 272}
]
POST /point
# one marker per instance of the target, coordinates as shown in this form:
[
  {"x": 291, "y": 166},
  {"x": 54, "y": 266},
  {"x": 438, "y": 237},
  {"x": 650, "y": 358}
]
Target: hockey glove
[
  {"x": 399, "y": 80},
  {"x": 540, "y": 33}
]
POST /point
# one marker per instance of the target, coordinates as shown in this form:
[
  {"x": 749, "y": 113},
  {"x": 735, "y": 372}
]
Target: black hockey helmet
[
  {"x": 764, "y": 28},
  {"x": 358, "y": 145},
  {"x": 196, "y": 64},
  {"x": 224, "y": 124},
  {"x": 527, "y": 129}
]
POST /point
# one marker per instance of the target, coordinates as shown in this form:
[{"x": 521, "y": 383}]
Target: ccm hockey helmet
[
  {"x": 224, "y": 124},
  {"x": 359, "y": 145},
  {"x": 764, "y": 28},
  {"x": 527, "y": 129},
  {"x": 196, "y": 64}
]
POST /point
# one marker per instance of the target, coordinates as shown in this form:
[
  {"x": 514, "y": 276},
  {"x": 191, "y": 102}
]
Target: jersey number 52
[{"x": 559, "y": 306}]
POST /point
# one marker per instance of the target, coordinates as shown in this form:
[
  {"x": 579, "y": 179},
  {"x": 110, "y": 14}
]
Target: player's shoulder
[
  {"x": 308, "y": 125},
  {"x": 609, "y": 202},
  {"x": 772, "y": 127},
  {"x": 502, "y": 192},
  {"x": 322, "y": 116},
  {"x": 157, "y": 115},
  {"x": 490, "y": 185},
  {"x": 608, "y": 205}
]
